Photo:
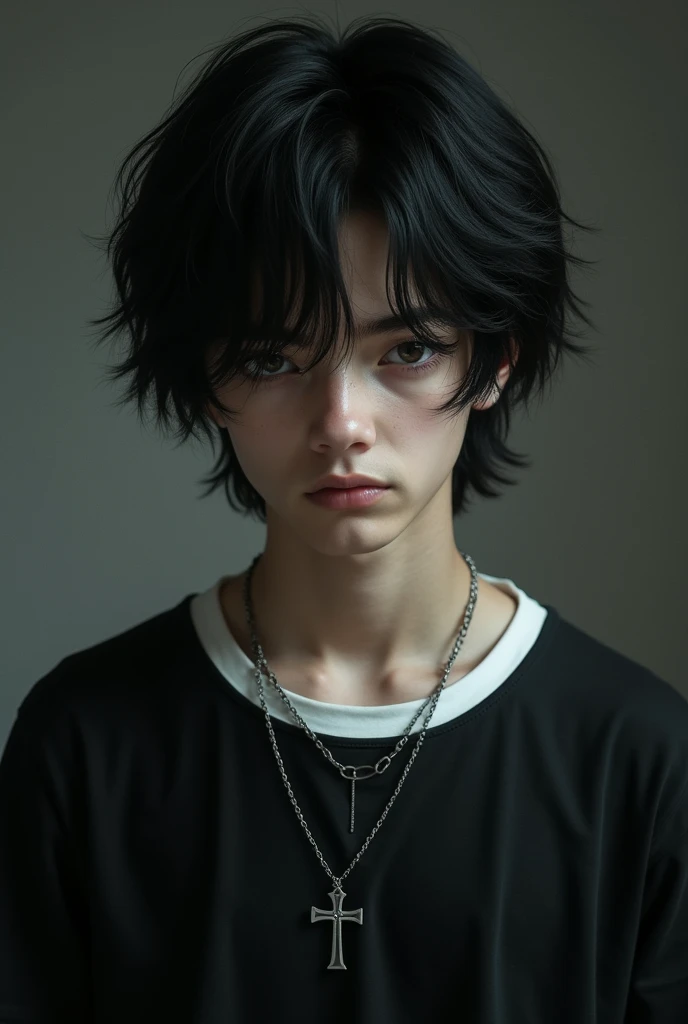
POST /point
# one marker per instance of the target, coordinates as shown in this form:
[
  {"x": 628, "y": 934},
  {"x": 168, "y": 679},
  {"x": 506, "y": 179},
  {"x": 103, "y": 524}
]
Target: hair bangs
[{"x": 306, "y": 309}]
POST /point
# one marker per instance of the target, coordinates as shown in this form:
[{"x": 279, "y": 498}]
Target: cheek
[
  {"x": 262, "y": 447},
  {"x": 428, "y": 438}
]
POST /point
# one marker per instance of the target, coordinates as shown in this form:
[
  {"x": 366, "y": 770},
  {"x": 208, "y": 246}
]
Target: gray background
[{"x": 102, "y": 521}]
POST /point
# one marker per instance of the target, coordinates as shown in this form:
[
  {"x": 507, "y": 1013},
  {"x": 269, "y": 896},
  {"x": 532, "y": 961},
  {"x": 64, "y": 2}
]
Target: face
[{"x": 371, "y": 414}]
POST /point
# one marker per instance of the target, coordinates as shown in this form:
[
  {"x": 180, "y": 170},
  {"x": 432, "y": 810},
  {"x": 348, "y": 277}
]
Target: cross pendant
[{"x": 336, "y": 916}]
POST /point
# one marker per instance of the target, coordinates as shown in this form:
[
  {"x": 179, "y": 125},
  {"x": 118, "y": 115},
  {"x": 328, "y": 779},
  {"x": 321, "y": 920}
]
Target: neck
[{"x": 367, "y": 629}]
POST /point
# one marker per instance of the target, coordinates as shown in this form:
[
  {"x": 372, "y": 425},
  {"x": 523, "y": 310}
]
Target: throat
[{"x": 494, "y": 612}]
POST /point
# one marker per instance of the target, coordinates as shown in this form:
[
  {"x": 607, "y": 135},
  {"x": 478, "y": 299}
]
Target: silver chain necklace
[{"x": 336, "y": 916}]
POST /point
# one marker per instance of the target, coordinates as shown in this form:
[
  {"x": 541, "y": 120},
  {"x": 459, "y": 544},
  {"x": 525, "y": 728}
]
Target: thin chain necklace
[{"x": 337, "y": 916}]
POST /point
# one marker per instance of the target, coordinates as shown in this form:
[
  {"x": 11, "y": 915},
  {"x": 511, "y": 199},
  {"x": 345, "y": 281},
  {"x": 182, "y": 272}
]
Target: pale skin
[{"x": 363, "y": 606}]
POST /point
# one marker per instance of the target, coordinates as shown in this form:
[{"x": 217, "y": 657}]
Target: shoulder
[
  {"x": 90, "y": 683},
  {"x": 614, "y": 682},
  {"x": 632, "y": 723}
]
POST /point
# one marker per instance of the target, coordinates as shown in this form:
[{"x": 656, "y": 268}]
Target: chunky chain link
[{"x": 260, "y": 662}]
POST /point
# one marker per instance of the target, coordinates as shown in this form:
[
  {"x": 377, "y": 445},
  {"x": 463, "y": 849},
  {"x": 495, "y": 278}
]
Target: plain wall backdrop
[{"x": 102, "y": 524}]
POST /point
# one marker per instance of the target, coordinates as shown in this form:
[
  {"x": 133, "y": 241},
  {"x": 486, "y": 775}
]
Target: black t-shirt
[{"x": 533, "y": 868}]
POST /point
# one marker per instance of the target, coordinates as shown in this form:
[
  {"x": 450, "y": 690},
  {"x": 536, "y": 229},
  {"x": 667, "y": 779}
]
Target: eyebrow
[
  {"x": 388, "y": 324},
  {"x": 377, "y": 325}
]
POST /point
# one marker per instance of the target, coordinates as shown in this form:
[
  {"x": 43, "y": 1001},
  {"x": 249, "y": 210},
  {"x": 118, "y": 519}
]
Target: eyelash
[{"x": 420, "y": 368}]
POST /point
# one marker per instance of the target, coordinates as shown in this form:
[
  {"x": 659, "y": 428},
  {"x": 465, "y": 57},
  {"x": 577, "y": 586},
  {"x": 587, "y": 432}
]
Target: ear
[
  {"x": 502, "y": 378},
  {"x": 214, "y": 415}
]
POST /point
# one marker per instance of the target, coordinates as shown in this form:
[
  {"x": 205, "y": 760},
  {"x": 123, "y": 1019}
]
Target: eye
[
  {"x": 437, "y": 353},
  {"x": 417, "y": 344}
]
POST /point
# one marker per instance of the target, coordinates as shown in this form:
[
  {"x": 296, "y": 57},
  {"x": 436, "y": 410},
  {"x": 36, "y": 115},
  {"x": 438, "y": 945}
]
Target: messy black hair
[{"x": 288, "y": 128}]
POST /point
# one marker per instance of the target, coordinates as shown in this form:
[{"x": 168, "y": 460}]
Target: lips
[
  {"x": 347, "y": 483},
  {"x": 347, "y": 498}
]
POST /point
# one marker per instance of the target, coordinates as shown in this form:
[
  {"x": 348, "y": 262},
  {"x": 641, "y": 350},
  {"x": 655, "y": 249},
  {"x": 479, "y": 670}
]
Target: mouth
[
  {"x": 353, "y": 487},
  {"x": 347, "y": 497},
  {"x": 335, "y": 484}
]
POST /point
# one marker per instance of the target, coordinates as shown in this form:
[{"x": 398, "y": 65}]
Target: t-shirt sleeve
[
  {"x": 659, "y": 987},
  {"x": 43, "y": 910}
]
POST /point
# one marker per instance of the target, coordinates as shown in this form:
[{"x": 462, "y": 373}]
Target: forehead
[
  {"x": 370, "y": 318},
  {"x": 363, "y": 253}
]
